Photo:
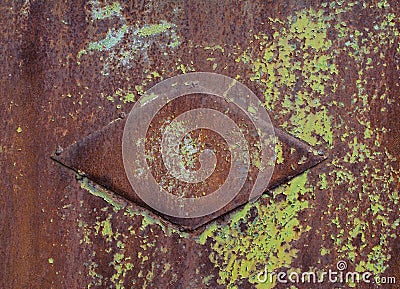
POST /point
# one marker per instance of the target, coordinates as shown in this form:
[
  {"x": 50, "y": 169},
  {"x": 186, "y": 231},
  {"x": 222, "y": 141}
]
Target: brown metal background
[{"x": 55, "y": 234}]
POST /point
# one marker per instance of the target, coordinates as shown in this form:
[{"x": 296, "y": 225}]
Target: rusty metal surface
[
  {"x": 329, "y": 75},
  {"x": 98, "y": 157}
]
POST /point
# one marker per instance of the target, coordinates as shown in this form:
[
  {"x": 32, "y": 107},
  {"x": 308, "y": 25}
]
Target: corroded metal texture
[
  {"x": 98, "y": 157},
  {"x": 327, "y": 72}
]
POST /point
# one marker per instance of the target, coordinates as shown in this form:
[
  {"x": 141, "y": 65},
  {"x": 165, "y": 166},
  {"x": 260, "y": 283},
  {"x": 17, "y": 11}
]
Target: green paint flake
[
  {"x": 324, "y": 251},
  {"x": 122, "y": 266},
  {"x": 323, "y": 182},
  {"x": 252, "y": 109},
  {"x": 51, "y": 261},
  {"x": 19, "y": 129},
  {"x": 207, "y": 279},
  {"x": 80, "y": 54},
  {"x": 129, "y": 97},
  {"x": 308, "y": 126},
  {"x": 215, "y": 47},
  {"x": 147, "y": 98},
  {"x": 148, "y": 220},
  {"x": 108, "y": 11},
  {"x": 154, "y": 29},
  {"x": 108, "y": 197},
  {"x": 107, "y": 229},
  {"x": 279, "y": 152},
  {"x": 266, "y": 241},
  {"x": 123, "y": 42},
  {"x": 112, "y": 38}
]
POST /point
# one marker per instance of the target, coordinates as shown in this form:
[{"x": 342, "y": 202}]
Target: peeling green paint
[
  {"x": 154, "y": 29},
  {"x": 112, "y": 38},
  {"x": 105, "y": 195},
  {"x": 108, "y": 11},
  {"x": 267, "y": 240},
  {"x": 124, "y": 43},
  {"x": 116, "y": 239},
  {"x": 310, "y": 113},
  {"x": 276, "y": 70},
  {"x": 279, "y": 152}
]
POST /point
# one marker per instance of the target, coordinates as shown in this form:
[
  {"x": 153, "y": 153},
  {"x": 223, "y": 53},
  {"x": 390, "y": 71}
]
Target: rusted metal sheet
[
  {"x": 98, "y": 157},
  {"x": 327, "y": 72}
]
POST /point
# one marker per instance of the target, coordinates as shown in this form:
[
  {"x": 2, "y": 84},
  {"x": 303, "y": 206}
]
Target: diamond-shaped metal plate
[{"x": 98, "y": 156}]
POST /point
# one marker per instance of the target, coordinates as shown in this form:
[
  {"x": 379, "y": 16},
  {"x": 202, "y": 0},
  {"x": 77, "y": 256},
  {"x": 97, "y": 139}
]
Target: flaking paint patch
[
  {"x": 107, "y": 196},
  {"x": 107, "y": 11},
  {"x": 278, "y": 71},
  {"x": 118, "y": 203},
  {"x": 124, "y": 42},
  {"x": 373, "y": 184},
  {"x": 309, "y": 116},
  {"x": 266, "y": 241},
  {"x": 115, "y": 240}
]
